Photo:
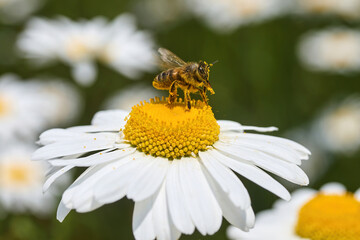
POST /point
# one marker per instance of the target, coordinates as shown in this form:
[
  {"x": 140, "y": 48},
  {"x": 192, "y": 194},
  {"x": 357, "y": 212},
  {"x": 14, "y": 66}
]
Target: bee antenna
[{"x": 211, "y": 64}]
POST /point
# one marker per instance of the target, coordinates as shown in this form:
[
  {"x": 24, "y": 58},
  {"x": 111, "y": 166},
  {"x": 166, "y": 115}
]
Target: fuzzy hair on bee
[{"x": 190, "y": 77}]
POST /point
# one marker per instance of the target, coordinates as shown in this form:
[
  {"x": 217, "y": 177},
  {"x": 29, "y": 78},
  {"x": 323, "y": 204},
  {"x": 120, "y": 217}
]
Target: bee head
[{"x": 204, "y": 70}]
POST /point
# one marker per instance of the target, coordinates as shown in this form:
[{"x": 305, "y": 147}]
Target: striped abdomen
[{"x": 166, "y": 78}]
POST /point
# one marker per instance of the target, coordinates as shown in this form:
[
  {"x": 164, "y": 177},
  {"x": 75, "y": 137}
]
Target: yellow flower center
[
  {"x": 330, "y": 217},
  {"x": 170, "y": 131}
]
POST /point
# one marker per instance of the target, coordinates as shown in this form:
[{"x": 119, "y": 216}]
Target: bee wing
[{"x": 169, "y": 60}]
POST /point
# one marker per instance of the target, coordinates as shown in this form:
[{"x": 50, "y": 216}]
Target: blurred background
[{"x": 293, "y": 64}]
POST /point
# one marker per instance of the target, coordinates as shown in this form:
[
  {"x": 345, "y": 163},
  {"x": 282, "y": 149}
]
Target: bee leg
[
  {"x": 172, "y": 92},
  {"x": 204, "y": 96},
  {"x": 187, "y": 100}
]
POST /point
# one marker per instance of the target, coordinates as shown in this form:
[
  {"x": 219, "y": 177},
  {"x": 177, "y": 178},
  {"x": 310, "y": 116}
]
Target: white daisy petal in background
[
  {"x": 127, "y": 49},
  {"x": 13, "y": 11},
  {"x": 29, "y": 107},
  {"x": 160, "y": 13},
  {"x": 333, "y": 50},
  {"x": 338, "y": 128},
  {"x": 129, "y": 96},
  {"x": 348, "y": 9},
  {"x": 331, "y": 213},
  {"x": 21, "y": 182},
  {"x": 66, "y": 103},
  {"x": 168, "y": 160},
  {"x": 226, "y": 15},
  {"x": 80, "y": 43}
]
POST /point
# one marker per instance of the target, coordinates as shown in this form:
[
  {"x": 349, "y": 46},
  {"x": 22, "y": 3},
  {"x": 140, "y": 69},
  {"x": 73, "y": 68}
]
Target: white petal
[
  {"x": 284, "y": 153},
  {"x": 115, "y": 118},
  {"x": 250, "y": 218},
  {"x": 233, "y": 214},
  {"x": 282, "y": 141},
  {"x": 226, "y": 125},
  {"x": 163, "y": 226},
  {"x": 84, "y": 73},
  {"x": 333, "y": 188},
  {"x": 259, "y": 129},
  {"x": 62, "y": 212},
  {"x": 97, "y": 158},
  {"x": 88, "y": 206},
  {"x": 176, "y": 201},
  {"x": 253, "y": 173},
  {"x": 54, "y": 176},
  {"x": 286, "y": 170},
  {"x": 142, "y": 224},
  {"x": 94, "y": 129},
  {"x": 227, "y": 180},
  {"x": 115, "y": 184},
  {"x": 55, "y": 135},
  {"x": 82, "y": 190},
  {"x": 65, "y": 148},
  {"x": 206, "y": 215},
  {"x": 150, "y": 180}
]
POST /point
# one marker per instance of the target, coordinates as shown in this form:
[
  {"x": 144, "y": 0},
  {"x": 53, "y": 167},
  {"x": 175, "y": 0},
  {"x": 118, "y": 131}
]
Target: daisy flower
[
  {"x": 79, "y": 43},
  {"x": 23, "y": 112},
  {"x": 331, "y": 213},
  {"x": 348, "y": 9},
  {"x": 168, "y": 160},
  {"x": 227, "y": 15},
  {"x": 21, "y": 182},
  {"x": 13, "y": 11},
  {"x": 338, "y": 128},
  {"x": 129, "y": 96},
  {"x": 333, "y": 50}
]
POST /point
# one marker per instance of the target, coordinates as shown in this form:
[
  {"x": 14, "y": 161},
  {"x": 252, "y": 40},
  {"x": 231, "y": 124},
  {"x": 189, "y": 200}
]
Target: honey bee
[{"x": 191, "y": 77}]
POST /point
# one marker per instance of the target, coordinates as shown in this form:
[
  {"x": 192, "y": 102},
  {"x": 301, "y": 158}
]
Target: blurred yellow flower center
[
  {"x": 14, "y": 175},
  {"x": 4, "y": 106},
  {"x": 330, "y": 217},
  {"x": 77, "y": 49},
  {"x": 159, "y": 129}
]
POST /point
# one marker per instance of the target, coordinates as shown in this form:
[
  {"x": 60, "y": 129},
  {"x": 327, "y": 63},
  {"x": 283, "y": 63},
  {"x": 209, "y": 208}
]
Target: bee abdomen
[{"x": 166, "y": 77}]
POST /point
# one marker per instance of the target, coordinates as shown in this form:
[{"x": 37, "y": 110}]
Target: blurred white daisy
[
  {"x": 331, "y": 213},
  {"x": 226, "y": 15},
  {"x": 334, "y": 50},
  {"x": 176, "y": 165},
  {"x": 23, "y": 112},
  {"x": 12, "y": 11},
  {"x": 129, "y": 96},
  {"x": 338, "y": 128},
  {"x": 65, "y": 101},
  {"x": 78, "y": 44},
  {"x": 21, "y": 181},
  {"x": 348, "y": 9}
]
